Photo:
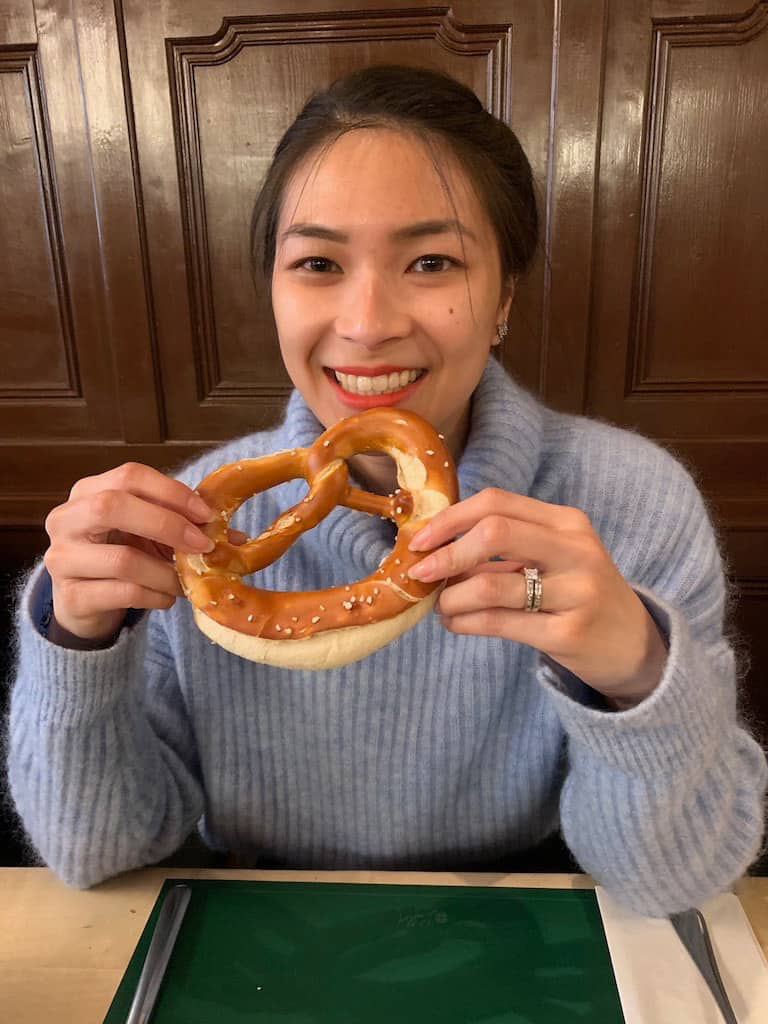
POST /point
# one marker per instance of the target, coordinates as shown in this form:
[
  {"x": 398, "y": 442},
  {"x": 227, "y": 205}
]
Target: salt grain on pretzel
[{"x": 249, "y": 625}]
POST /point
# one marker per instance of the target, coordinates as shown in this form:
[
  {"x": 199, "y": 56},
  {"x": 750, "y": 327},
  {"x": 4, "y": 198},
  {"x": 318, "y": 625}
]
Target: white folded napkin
[{"x": 659, "y": 983}]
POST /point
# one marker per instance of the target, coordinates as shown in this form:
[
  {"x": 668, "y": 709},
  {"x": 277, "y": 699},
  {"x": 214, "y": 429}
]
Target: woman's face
[{"x": 386, "y": 290}]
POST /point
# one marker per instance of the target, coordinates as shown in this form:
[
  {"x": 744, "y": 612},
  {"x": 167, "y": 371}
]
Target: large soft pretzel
[{"x": 320, "y": 628}]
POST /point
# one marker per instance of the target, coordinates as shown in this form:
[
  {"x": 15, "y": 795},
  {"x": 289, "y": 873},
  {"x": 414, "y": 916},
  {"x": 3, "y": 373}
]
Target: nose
[{"x": 371, "y": 311}]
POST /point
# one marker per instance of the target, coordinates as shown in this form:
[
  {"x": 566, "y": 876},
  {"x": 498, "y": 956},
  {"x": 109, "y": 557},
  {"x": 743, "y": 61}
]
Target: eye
[
  {"x": 433, "y": 263},
  {"x": 316, "y": 265}
]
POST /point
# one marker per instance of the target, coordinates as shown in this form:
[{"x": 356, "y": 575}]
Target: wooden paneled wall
[{"x": 133, "y": 137}]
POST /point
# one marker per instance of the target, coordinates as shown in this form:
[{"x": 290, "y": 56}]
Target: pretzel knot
[{"x": 320, "y": 628}]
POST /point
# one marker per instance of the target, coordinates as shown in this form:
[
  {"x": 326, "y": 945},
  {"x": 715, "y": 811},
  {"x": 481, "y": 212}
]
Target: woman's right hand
[{"x": 112, "y": 547}]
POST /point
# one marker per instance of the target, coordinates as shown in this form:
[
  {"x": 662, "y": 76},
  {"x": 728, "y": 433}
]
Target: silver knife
[
  {"x": 159, "y": 953},
  {"x": 694, "y": 935}
]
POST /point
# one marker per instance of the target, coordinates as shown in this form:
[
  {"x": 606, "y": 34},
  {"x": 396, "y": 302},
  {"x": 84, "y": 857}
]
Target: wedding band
[{"x": 532, "y": 590}]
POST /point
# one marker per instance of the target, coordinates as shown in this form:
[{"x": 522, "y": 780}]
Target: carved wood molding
[
  {"x": 671, "y": 33},
  {"x": 24, "y": 61},
  {"x": 491, "y": 42}
]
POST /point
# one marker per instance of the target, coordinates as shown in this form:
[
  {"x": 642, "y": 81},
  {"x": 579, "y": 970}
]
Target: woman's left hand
[{"x": 591, "y": 621}]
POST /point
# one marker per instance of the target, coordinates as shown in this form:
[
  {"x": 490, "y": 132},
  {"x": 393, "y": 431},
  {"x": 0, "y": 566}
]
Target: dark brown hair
[{"x": 435, "y": 108}]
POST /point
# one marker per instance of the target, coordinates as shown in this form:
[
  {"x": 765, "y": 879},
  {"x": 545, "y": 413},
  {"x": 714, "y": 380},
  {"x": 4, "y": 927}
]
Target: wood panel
[
  {"x": 79, "y": 303},
  {"x": 679, "y": 312}
]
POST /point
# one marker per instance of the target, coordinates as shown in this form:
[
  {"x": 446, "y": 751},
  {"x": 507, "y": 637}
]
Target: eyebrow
[{"x": 418, "y": 230}]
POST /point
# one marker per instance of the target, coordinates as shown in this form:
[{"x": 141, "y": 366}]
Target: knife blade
[
  {"x": 694, "y": 935},
  {"x": 159, "y": 953}
]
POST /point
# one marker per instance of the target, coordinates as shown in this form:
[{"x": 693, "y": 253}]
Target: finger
[
  {"x": 83, "y": 561},
  {"x": 151, "y": 485},
  {"x": 93, "y": 517},
  {"x": 539, "y": 631},
  {"x": 497, "y": 565},
  {"x": 149, "y": 546},
  {"x": 490, "y": 590},
  {"x": 494, "y": 501},
  {"x": 85, "y": 598},
  {"x": 533, "y": 545}
]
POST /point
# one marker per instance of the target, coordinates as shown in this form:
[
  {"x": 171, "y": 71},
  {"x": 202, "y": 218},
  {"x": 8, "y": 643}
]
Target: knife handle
[{"x": 691, "y": 927}]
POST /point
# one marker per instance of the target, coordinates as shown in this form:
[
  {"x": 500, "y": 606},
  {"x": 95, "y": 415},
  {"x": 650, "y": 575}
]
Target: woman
[{"x": 393, "y": 225}]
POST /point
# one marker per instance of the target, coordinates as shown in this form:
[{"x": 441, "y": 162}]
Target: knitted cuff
[
  {"x": 71, "y": 686},
  {"x": 682, "y": 720}
]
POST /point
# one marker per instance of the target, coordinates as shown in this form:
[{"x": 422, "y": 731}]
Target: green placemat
[{"x": 305, "y": 953}]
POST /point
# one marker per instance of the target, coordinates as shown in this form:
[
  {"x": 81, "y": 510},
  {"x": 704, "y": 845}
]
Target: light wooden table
[{"x": 63, "y": 951}]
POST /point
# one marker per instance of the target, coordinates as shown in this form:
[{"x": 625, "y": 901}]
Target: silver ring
[{"x": 533, "y": 588}]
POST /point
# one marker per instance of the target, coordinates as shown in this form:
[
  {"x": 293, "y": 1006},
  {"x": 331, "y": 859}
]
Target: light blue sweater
[{"x": 437, "y": 751}]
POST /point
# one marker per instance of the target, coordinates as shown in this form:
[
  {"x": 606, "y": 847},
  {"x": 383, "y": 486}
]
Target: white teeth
[{"x": 380, "y": 385}]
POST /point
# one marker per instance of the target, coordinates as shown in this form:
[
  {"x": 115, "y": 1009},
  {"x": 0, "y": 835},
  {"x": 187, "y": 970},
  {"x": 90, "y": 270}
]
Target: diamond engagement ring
[{"x": 532, "y": 590}]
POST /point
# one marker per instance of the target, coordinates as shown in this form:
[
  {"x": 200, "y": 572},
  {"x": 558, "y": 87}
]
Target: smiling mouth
[{"x": 380, "y": 384}]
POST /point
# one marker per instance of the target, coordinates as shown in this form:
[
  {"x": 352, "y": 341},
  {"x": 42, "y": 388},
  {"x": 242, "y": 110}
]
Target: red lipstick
[{"x": 371, "y": 400}]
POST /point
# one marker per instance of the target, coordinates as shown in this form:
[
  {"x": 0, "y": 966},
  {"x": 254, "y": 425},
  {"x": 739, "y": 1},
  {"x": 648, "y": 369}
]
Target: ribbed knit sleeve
[
  {"x": 102, "y": 765},
  {"x": 663, "y": 803}
]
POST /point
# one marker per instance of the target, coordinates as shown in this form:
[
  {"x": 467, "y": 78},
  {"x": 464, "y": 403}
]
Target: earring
[{"x": 502, "y": 330}]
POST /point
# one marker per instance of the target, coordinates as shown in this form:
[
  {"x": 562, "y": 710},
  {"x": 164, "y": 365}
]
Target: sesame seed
[
  {"x": 326, "y": 444},
  {"x": 369, "y": 600},
  {"x": 297, "y": 519},
  {"x": 389, "y": 579},
  {"x": 213, "y": 602},
  {"x": 397, "y": 561},
  {"x": 445, "y": 465},
  {"x": 402, "y": 576},
  {"x": 307, "y": 500},
  {"x": 376, "y": 590},
  {"x": 294, "y": 618},
  {"x": 240, "y": 468},
  {"x": 231, "y": 597},
  {"x": 441, "y": 436},
  {"x": 278, "y": 628},
  {"x": 250, "y": 618},
  {"x": 347, "y": 605},
  {"x": 346, "y": 588},
  {"x": 430, "y": 452},
  {"x": 322, "y": 607},
  {"x": 315, "y": 618},
  {"x": 288, "y": 631}
]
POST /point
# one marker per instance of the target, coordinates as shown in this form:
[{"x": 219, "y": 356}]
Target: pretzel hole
[{"x": 299, "y": 558}]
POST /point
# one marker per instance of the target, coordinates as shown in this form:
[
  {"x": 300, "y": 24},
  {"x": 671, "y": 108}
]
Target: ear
[
  {"x": 505, "y": 305},
  {"x": 507, "y": 296}
]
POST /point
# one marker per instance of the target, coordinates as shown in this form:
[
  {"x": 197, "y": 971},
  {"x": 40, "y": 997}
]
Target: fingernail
[
  {"x": 423, "y": 569},
  {"x": 420, "y": 539},
  {"x": 197, "y": 540},
  {"x": 198, "y": 509}
]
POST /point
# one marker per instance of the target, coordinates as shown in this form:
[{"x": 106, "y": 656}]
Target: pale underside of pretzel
[{"x": 320, "y": 628}]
